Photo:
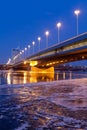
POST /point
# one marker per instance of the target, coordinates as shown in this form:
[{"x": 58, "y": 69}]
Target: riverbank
[{"x": 56, "y": 105}]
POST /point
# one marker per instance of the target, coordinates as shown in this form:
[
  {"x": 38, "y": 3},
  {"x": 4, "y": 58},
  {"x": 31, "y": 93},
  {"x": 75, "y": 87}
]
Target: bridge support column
[
  {"x": 42, "y": 70},
  {"x": 43, "y": 74}
]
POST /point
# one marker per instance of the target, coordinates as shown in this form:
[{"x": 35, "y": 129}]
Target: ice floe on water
[
  {"x": 23, "y": 126},
  {"x": 47, "y": 105}
]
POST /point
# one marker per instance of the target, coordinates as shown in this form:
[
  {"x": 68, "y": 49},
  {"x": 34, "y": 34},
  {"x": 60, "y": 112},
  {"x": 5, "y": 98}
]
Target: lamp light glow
[
  {"x": 47, "y": 33},
  {"x": 59, "y": 25},
  {"x": 39, "y": 38},
  {"x": 77, "y": 12}
]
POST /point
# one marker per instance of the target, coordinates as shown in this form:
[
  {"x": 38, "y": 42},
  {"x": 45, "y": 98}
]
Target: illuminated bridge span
[{"x": 73, "y": 49}]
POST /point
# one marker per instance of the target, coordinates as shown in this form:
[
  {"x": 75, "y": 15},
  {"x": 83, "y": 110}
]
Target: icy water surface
[{"x": 57, "y": 105}]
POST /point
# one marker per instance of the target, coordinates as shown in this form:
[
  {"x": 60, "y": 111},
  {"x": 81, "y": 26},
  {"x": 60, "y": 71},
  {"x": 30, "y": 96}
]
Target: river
[
  {"x": 29, "y": 103},
  {"x": 23, "y": 77}
]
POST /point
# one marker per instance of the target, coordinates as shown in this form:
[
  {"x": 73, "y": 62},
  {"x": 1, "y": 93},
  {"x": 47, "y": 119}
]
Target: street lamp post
[
  {"x": 29, "y": 49},
  {"x": 39, "y": 39},
  {"x": 77, "y": 12},
  {"x": 33, "y": 43},
  {"x": 47, "y": 34},
  {"x": 58, "y": 26},
  {"x": 25, "y": 52},
  {"x": 20, "y": 55}
]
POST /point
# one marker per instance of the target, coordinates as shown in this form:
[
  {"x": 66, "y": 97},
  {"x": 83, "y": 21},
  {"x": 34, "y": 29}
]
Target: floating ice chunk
[
  {"x": 68, "y": 119},
  {"x": 35, "y": 118},
  {"x": 1, "y": 116},
  {"x": 77, "y": 126},
  {"x": 61, "y": 123},
  {"x": 23, "y": 126}
]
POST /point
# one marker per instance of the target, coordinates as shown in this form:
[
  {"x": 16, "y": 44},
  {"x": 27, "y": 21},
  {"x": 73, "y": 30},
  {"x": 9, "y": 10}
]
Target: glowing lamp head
[
  {"x": 47, "y": 33},
  {"x": 59, "y": 25},
  {"x": 9, "y": 59},
  {"x": 39, "y": 38},
  {"x": 33, "y": 43},
  {"x": 20, "y": 52},
  {"x": 77, "y": 12},
  {"x": 29, "y": 46},
  {"x": 25, "y": 49}
]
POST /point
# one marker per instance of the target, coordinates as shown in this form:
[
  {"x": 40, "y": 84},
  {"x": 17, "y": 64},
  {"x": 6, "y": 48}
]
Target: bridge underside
[
  {"x": 61, "y": 59},
  {"x": 45, "y": 63}
]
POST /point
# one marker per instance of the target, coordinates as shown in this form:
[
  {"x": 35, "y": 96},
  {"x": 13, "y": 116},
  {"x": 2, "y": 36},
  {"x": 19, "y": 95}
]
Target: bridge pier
[
  {"x": 42, "y": 70},
  {"x": 41, "y": 74}
]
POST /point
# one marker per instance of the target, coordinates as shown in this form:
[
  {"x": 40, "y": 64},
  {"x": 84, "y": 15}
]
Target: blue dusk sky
[{"x": 22, "y": 21}]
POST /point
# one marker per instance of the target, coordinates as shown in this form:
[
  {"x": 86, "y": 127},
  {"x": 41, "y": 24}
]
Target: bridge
[
  {"x": 73, "y": 49},
  {"x": 5, "y": 67}
]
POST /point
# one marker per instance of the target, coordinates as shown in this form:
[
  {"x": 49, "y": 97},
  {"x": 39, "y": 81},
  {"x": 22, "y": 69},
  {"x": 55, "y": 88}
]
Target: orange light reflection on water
[{"x": 23, "y": 77}]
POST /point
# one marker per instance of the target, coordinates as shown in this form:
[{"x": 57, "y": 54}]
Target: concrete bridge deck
[{"x": 73, "y": 49}]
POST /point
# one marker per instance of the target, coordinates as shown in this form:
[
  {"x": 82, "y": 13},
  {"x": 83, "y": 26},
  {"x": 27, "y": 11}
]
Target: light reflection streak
[
  {"x": 25, "y": 80},
  {"x": 9, "y": 78}
]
